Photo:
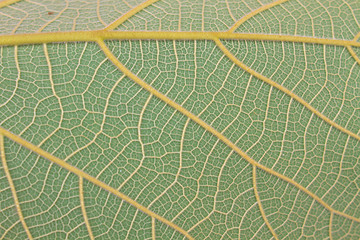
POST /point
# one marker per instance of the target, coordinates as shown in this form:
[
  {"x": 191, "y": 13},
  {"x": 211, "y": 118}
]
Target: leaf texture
[{"x": 179, "y": 119}]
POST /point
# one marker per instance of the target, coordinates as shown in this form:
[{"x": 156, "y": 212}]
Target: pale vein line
[
  {"x": 181, "y": 147},
  {"x": 34, "y": 115},
  {"x": 24, "y": 16},
  {"x": 330, "y": 17},
  {"x": 218, "y": 189},
  {"x": 153, "y": 234},
  {"x": 71, "y": 233},
  {"x": 339, "y": 175},
  {"x": 8, "y": 229},
  {"x": 264, "y": 122},
  {"x": 131, "y": 224},
  {"x": 179, "y": 168},
  {"x": 306, "y": 218},
  {"x": 92, "y": 36},
  {"x": 55, "y": 18},
  {"x": 284, "y": 90},
  {"x": 210, "y": 129},
  {"x": 12, "y": 187},
  {"x": 53, "y": 203},
  {"x": 44, "y": 184},
  {"x": 312, "y": 20},
  {"x": 305, "y": 146},
  {"x": 83, "y": 209},
  {"x": 129, "y": 14},
  {"x": 95, "y": 181},
  {"x": 352, "y": 12},
  {"x": 113, "y": 219},
  {"x": 18, "y": 75},
  {"x": 228, "y": 156},
  {"x": 93, "y": 140},
  {"x": 127, "y": 4},
  {"x": 46, "y": 53},
  {"x": 75, "y": 18},
  {"x": 141, "y": 143},
  {"x": 203, "y": 16},
  {"x": 179, "y": 24},
  {"x": 257, "y": 11},
  {"x": 198, "y": 184},
  {"x": 243, "y": 217},
  {"x": 98, "y": 13},
  {"x": 330, "y": 225},
  {"x": 260, "y": 205},
  {"x": 229, "y": 10},
  {"x": 287, "y": 121},
  {"x": 326, "y": 77}
]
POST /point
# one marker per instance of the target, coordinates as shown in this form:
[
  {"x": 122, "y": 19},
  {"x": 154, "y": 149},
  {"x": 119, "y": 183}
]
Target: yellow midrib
[
  {"x": 92, "y": 36},
  {"x": 37, "y": 38}
]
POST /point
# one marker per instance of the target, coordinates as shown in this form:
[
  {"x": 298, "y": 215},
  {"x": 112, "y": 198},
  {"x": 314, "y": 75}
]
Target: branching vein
[
  {"x": 108, "y": 34},
  {"x": 12, "y": 187},
  {"x": 210, "y": 129},
  {"x": 129, "y": 14},
  {"x": 260, "y": 205},
  {"x": 83, "y": 209},
  {"x": 84, "y": 175},
  {"x": 92, "y": 36},
  {"x": 284, "y": 90},
  {"x": 253, "y": 13}
]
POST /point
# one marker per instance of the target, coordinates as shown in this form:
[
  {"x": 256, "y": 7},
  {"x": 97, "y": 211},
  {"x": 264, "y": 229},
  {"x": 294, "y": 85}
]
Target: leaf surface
[{"x": 179, "y": 119}]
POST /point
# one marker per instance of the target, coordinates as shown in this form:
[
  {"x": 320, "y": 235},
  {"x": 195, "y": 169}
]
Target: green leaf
[{"x": 179, "y": 119}]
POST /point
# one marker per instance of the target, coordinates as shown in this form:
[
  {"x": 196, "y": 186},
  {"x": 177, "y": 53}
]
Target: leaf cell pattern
[{"x": 179, "y": 119}]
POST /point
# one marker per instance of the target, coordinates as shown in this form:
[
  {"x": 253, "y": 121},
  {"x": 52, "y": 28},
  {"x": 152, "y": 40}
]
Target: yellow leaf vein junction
[
  {"x": 210, "y": 129},
  {"x": 86, "y": 176},
  {"x": 12, "y": 187}
]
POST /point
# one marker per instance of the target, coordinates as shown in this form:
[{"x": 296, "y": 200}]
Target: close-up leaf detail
[{"x": 165, "y": 119}]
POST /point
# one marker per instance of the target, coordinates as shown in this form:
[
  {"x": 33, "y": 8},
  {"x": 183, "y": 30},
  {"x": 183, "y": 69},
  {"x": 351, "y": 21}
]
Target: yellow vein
[
  {"x": 210, "y": 129},
  {"x": 257, "y": 11},
  {"x": 12, "y": 187},
  {"x": 129, "y": 14},
  {"x": 330, "y": 225},
  {"x": 284, "y": 90},
  {"x": 8, "y": 2},
  {"x": 153, "y": 228},
  {"x": 357, "y": 36},
  {"x": 83, "y": 209},
  {"x": 95, "y": 181},
  {"x": 353, "y": 54},
  {"x": 260, "y": 205},
  {"x": 92, "y": 36}
]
